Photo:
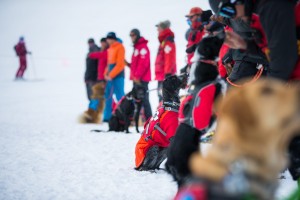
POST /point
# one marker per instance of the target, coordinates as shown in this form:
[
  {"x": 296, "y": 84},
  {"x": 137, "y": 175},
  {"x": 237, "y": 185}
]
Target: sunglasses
[
  {"x": 192, "y": 16},
  {"x": 227, "y": 9},
  {"x": 132, "y": 35}
]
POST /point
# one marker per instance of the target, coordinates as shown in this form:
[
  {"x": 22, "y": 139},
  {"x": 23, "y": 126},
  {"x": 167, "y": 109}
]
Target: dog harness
[
  {"x": 196, "y": 109},
  {"x": 118, "y": 107},
  {"x": 153, "y": 124}
]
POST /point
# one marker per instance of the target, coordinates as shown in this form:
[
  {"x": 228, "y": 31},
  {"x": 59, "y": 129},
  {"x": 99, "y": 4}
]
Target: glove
[
  {"x": 191, "y": 49},
  {"x": 167, "y": 75}
]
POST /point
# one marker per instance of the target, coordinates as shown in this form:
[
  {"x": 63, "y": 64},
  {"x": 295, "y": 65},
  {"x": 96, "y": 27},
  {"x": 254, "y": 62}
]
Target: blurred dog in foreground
[{"x": 249, "y": 149}]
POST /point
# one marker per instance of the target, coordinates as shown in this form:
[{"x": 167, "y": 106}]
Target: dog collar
[
  {"x": 171, "y": 103},
  {"x": 211, "y": 62},
  {"x": 171, "y": 109}
]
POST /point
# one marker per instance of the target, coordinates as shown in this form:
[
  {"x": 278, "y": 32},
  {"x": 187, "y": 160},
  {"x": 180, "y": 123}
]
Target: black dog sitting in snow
[
  {"x": 196, "y": 111},
  {"x": 127, "y": 108},
  {"x": 151, "y": 149}
]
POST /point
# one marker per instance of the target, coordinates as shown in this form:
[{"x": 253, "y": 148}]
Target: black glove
[
  {"x": 167, "y": 75},
  {"x": 227, "y": 58},
  {"x": 191, "y": 49}
]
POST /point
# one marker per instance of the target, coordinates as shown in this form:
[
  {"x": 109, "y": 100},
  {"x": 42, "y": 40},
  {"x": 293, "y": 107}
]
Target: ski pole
[
  {"x": 150, "y": 90},
  {"x": 33, "y": 66}
]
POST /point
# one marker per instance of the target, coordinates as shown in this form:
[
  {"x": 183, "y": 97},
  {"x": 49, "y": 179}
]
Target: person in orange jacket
[
  {"x": 165, "y": 64},
  {"x": 114, "y": 73}
]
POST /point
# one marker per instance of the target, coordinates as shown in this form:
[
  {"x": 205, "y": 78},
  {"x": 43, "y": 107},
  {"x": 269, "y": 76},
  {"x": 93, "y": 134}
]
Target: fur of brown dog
[
  {"x": 255, "y": 126},
  {"x": 94, "y": 116}
]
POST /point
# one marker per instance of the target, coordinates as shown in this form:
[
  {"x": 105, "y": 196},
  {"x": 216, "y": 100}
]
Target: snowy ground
[{"x": 46, "y": 154}]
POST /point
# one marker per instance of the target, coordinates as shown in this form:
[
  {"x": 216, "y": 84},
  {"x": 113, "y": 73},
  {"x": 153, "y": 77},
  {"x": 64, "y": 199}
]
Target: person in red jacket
[
  {"x": 140, "y": 72},
  {"x": 102, "y": 59},
  {"x": 21, "y": 51},
  {"x": 196, "y": 33},
  {"x": 165, "y": 64}
]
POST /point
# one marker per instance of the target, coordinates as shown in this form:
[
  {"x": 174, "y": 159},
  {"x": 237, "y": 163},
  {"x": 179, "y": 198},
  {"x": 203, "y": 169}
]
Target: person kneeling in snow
[{"x": 151, "y": 149}]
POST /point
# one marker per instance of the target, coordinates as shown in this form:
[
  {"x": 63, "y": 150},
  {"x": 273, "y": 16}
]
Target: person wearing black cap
[
  {"x": 114, "y": 73},
  {"x": 90, "y": 76},
  {"x": 140, "y": 71}
]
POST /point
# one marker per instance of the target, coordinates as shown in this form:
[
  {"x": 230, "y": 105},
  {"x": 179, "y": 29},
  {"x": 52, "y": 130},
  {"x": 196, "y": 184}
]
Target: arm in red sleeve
[
  {"x": 95, "y": 55},
  {"x": 169, "y": 52}
]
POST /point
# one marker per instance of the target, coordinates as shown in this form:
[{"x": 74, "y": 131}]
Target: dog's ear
[
  {"x": 236, "y": 107},
  {"x": 171, "y": 83}
]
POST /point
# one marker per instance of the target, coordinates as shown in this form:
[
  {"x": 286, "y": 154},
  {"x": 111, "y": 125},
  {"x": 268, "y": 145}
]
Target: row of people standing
[{"x": 106, "y": 65}]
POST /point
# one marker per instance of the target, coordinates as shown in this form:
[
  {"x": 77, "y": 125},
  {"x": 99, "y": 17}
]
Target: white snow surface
[{"x": 44, "y": 152}]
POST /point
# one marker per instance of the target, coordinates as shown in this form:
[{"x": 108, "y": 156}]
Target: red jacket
[
  {"x": 166, "y": 57},
  {"x": 140, "y": 61},
  {"x": 296, "y": 73},
  {"x": 195, "y": 37},
  {"x": 21, "y": 49},
  {"x": 102, "y": 62},
  {"x": 222, "y": 70}
]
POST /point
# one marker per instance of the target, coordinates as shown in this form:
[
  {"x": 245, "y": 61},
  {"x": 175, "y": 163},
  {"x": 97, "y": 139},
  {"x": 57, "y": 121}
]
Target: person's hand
[
  {"x": 127, "y": 64},
  {"x": 228, "y": 68},
  {"x": 167, "y": 75},
  {"x": 234, "y": 41},
  {"x": 107, "y": 78},
  {"x": 137, "y": 81}
]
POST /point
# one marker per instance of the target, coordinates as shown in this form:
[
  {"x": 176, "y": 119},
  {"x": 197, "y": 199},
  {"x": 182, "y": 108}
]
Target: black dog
[
  {"x": 196, "y": 114},
  {"x": 151, "y": 149},
  {"x": 127, "y": 107}
]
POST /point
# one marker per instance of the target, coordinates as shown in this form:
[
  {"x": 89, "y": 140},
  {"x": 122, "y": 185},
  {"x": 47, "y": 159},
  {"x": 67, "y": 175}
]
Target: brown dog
[
  {"x": 95, "y": 110},
  {"x": 254, "y": 128}
]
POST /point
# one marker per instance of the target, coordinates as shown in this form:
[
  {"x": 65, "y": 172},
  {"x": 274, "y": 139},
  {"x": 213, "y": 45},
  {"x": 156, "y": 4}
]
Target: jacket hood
[
  {"x": 142, "y": 40},
  {"x": 165, "y": 34}
]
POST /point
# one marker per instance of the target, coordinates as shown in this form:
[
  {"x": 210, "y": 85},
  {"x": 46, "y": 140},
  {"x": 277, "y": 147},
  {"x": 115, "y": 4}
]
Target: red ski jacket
[
  {"x": 140, "y": 61},
  {"x": 195, "y": 37},
  {"x": 102, "y": 62},
  {"x": 221, "y": 68},
  {"x": 21, "y": 49},
  {"x": 296, "y": 73},
  {"x": 166, "y": 57}
]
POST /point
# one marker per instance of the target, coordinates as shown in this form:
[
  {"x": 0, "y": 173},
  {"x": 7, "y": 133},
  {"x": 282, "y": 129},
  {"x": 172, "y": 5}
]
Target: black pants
[
  {"x": 89, "y": 91},
  {"x": 146, "y": 103}
]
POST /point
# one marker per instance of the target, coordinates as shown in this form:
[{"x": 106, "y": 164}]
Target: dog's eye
[
  {"x": 286, "y": 121},
  {"x": 267, "y": 91}
]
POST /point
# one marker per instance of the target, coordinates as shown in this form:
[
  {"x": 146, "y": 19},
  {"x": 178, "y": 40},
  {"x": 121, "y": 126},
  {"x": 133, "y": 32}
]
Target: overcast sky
[{"x": 60, "y": 28}]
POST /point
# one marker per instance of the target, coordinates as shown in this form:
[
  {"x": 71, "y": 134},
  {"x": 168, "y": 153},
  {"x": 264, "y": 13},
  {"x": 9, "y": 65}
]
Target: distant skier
[{"x": 21, "y": 52}]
